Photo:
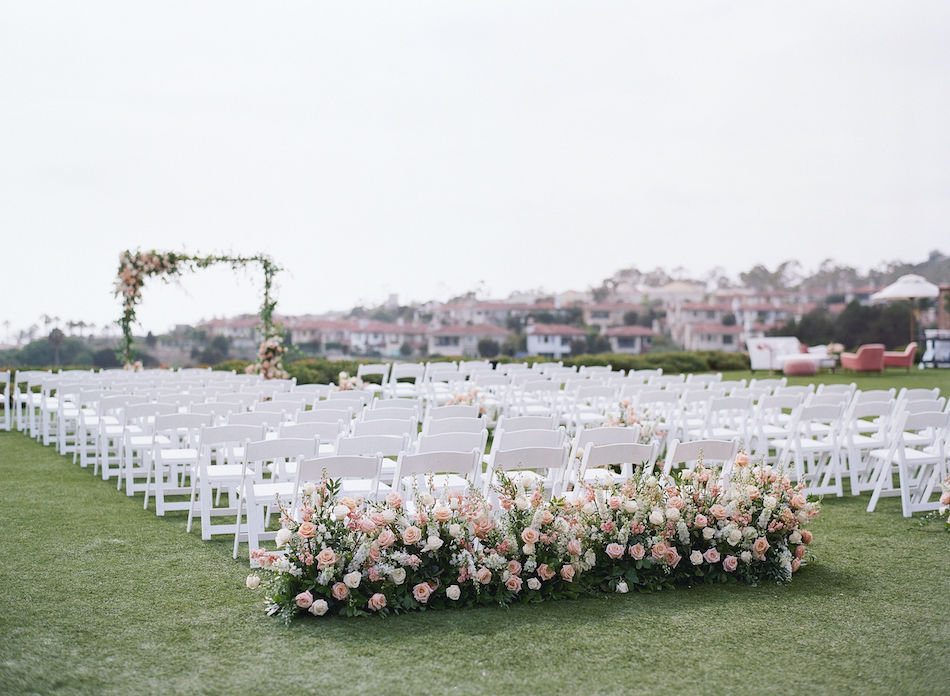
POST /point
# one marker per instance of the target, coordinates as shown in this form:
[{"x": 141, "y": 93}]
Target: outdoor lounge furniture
[
  {"x": 800, "y": 365},
  {"x": 901, "y": 358},
  {"x": 869, "y": 358}
]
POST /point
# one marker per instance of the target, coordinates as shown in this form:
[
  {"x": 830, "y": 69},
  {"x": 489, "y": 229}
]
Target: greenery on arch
[{"x": 135, "y": 267}]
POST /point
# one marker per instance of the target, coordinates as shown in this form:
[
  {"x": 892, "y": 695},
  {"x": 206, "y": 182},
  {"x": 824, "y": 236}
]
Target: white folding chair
[
  {"x": 598, "y": 461},
  {"x": 535, "y": 465},
  {"x": 438, "y": 472},
  {"x": 453, "y": 425},
  {"x": 173, "y": 458},
  {"x": 814, "y": 448},
  {"x": 689, "y": 454},
  {"x": 920, "y": 466}
]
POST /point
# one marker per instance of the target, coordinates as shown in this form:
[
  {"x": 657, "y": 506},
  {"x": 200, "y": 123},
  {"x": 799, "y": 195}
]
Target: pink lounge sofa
[
  {"x": 901, "y": 358},
  {"x": 869, "y": 358}
]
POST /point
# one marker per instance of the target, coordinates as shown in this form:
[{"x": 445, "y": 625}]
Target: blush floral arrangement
[{"x": 343, "y": 555}]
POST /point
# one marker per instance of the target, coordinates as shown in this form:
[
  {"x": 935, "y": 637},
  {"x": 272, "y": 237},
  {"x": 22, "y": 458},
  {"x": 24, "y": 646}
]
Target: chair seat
[
  {"x": 177, "y": 456},
  {"x": 362, "y": 487},
  {"x": 603, "y": 476},
  {"x": 266, "y": 492},
  {"x": 225, "y": 471},
  {"x": 145, "y": 440}
]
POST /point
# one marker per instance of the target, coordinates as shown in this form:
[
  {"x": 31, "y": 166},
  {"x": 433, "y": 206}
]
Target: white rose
[
  {"x": 455, "y": 531},
  {"x": 656, "y": 516},
  {"x": 352, "y": 580},
  {"x": 589, "y": 509},
  {"x": 453, "y": 592},
  {"x": 651, "y": 481},
  {"x": 389, "y": 515},
  {"x": 522, "y": 503},
  {"x": 622, "y": 587},
  {"x": 672, "y": 514},
  {"x": 283, "y": 536},
  {"x": 795, "y": 537},
  {"x": 252, "y": 582},
  {"x": 308, "y": 488},
  {"x": 734, "y": 536},
  {"x": 749, "y": 532},
  {"x": 528, "y": 549},
  {"x": 802, "y": 517},
  {"x": 340, "y": 512},
  {"x": 630, "y": 506},
  {"x": 590, "y": 557},
  {"x": 746, "y": 556},
  {"x": 562, "y": 525},
  {"x": 769, "y": 502},
  {"x": 319, "y": 608},
  {"x": 534, "y": 584},
  {"x": 399, "y": 576},
  {"x": 454, "y": 504},
  {"x": 434, "y": 543},
  {"x": 696, "y": 558},
  {"x": 708, "y": 533},
  {"x": 425, "y": 499}
]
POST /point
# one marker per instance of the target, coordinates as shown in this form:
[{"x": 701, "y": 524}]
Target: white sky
[{"x": 423, "y": 147}]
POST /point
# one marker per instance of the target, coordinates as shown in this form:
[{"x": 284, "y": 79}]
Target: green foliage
[
  {"x": 857, "y": 324},
  {"x": 237, "y": 366},
  {"x": 488, "y": 348},
  {"x": 105, "y": 358}
]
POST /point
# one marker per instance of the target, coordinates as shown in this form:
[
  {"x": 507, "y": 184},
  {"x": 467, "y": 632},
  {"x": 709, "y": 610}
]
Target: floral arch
[{"x": 135, "y": 267}]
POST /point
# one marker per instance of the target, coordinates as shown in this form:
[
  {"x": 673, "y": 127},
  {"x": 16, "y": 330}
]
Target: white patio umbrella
[{"x": 908, "y": 287}]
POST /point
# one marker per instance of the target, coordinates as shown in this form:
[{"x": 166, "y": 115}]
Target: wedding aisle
[{"x": 101, "y": 598}]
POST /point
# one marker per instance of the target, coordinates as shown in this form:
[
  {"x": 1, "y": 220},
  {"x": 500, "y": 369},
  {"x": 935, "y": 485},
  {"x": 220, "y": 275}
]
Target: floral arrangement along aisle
[
  {"x": 135, "y": 267},
  {"x": 945, "y": 500},
  {"x": 344, "y": 382},
  {"x": 627, "y": 417},
  {"x": 470, "y": 397},
  {"x": 344, "y": 555}
]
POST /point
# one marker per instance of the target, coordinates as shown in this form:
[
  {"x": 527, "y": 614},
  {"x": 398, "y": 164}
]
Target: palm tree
[{"x": 56, "y": 337}]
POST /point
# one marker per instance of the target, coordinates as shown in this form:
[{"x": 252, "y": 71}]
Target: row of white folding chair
[
  {"x": 811, "y": 451},
  {"x": 721, "y": 453},
  {"x": 5, "y": 389}
]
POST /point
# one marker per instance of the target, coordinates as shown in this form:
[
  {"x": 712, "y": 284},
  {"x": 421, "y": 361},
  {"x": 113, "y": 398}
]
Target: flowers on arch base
[{"x": 270, "y": 358}]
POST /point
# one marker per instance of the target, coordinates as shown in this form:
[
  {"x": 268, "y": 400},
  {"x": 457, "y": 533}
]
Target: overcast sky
[{"x": 419, "y": 148}]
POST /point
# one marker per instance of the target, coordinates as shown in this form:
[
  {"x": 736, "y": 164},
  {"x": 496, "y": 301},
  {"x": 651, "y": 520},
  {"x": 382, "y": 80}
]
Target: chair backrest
[
  {"x": 407, "y": 426},
  {"x": 280, "y": 451},
  {"x": 340, "y": 467},
  {"x": 689, "y": 453},
  {"x": 224, "y": 440},
  {"x": 391, "y": 404},
  {"x": 551, "y": 460},
  {"x": 368, "y": 369},
  {"x": 520, "y": 439},
  {"x": 623, "y": 454},
  {"x": 327, "y": 432},
  {"x": 219, "y": 409},
  {"x": 512, "y": 423},
  {"x": 454, "y": 425},
  {"x": 417, "y": 466},
  {"x": 922, "y": 405},
  {"x": 847, "y": 389},
  {"x": 386, "y": 445},
  {"x": 186, "y": 426},
  {"x": 827, "y": 399},
  {"x": 454, "y": 411},
  {"x": 389, "y": 414},
  {"x": 324, "y": 415},
  {"x": 918, "y": 394},
  {"x": 862, "y": 396},
  {"x": 406, "y": 371},
  {"x": 452, "y": 442},
  {"x": 283, "y": 404},
  {"x": 269, "y": 419},
  {"x": 351, "y": 396}
]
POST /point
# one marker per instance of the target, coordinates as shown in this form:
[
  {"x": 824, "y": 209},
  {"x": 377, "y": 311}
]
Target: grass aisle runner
[{"x": 101, "y": 597}]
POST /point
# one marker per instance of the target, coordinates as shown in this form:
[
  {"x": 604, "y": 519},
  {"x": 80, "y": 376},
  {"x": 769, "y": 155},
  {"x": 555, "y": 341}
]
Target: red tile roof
[
  {"x": 710, "y": 328},
  {"x": 630, "y": 331},
  {"x": 555, "y": 330}
]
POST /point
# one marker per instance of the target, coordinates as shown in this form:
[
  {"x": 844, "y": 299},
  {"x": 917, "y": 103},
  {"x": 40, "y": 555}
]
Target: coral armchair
[
  {"x": 869, "y": 358},
  {"x": 901, "y": 358}
]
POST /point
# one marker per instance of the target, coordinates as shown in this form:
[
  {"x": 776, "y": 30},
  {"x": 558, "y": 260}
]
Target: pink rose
[
  {"x": 730, "y": 564},
  {"x": 742, "y": 459},
  {"x": 546, "y": 517},
  {"x": 514, "y": 567},
  {"x": 325, "y": 558},
  {"x": 574, "y": 547},
  {"x": 377, "y": 601},
  {"x": 672, "y": 557},
  {"x": 530, "y": 535},
  {"x": 806, "y": 536},
  {"x": 340, "y": 591},
  {"x": 799, "y": 552},
  {"x": 700, "y": 521},
  {"x": 442, "y": 513},
  {"x": 711, "y": 556},
  {"x": 567, "y": 572},
  {"x": 945, "y": 498},
  {"x": 483, "y": 575},
  {"x": 796, "y": 564},
  {"x": 753, "y": 492},
  {"x": 798, "y": 501},
  {"x": 367, "y": 526},
  {"x": 718, "y": 511},
  {"x": 613, "y": 502},
  {"x": 386, "y": 538},
  {"x": 544, "y": 572},
  {"x": 760, "y": 546},
  {"x": 483, "y": 525},
  {"x": 421, "y": 592},
  {"x": 394, "y": 500},
  {"x": 307, "y": 530},
  {"x": 615, "y": 551},
  {"x": 513, "y": 583},
  {"x": 658, "y": 551},
  {"x": 304, "y": 600},
  {"x": 411, "y": 534},
  {"x": 374, "y": 553},
  {"x": 637, "y": 551}
]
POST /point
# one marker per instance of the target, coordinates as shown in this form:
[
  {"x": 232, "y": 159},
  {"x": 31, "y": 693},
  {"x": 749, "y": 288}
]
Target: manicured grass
[{"x": 101, "y": 597}]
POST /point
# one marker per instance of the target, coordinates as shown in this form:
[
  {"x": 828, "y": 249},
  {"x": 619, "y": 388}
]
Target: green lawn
[{"x": 100, "y": 597}]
